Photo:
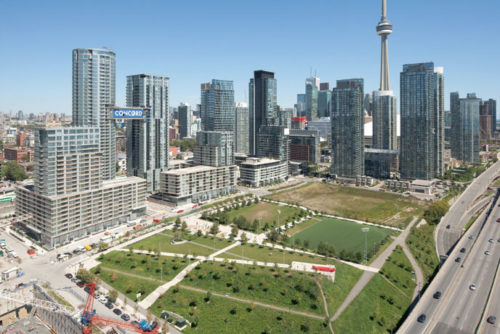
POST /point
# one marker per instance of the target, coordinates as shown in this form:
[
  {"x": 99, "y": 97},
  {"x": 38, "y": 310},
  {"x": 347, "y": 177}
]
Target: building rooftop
[
  {"x": 259, "y": 161},
  {"x": 122, "y": 180},
  {"x": 189, "y": 170}
]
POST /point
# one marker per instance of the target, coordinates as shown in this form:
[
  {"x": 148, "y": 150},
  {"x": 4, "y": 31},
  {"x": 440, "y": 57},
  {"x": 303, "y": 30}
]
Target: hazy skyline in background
[{"x": 196, "y": 41}]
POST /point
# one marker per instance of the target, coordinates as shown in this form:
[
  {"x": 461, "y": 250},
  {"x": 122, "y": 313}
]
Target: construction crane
[{"x": 89, "y": 317}]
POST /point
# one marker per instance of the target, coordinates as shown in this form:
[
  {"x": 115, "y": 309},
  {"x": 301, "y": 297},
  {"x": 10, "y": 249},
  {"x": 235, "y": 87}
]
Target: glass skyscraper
[
  {"x": 465, "y": 143},
  {"x": 422, "y": 123},
  {"x": 217, "y": 105},
  {"x": 312, "y": 87},
  {"x": 347, "y": 120},
  {"x": 148, "y": 138},
  {"x": 185, "y": 120},
  {"x": 241, "y": 128},
  {"x": 263, "y": 107},
  {"x": 324, "y": 102},
  {"x": 93, "y": 89}
]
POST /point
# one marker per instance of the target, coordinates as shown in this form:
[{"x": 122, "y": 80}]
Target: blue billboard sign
[{"x": 129, "y": 113}]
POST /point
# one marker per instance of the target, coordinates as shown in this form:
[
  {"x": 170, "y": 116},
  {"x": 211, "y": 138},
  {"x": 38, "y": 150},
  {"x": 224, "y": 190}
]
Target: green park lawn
[
  {"x": 265, "y": 213},
  {"x": 423, "y": 247},
  {"x": 384, "y": 300},
  {"x": 351, "y": 202},
  {"x": 254, "y": 252},
  {"x": 129, "y": 273},
  {"x": 287, "y": 288},
  {"x": 342, "y": 235},
  {"x": 203, "y": 245},
  {"x": 224, "y": 316}
]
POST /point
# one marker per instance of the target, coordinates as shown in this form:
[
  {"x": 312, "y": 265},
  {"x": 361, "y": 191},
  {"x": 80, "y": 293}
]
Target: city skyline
[{"x": 49, "y": 71}]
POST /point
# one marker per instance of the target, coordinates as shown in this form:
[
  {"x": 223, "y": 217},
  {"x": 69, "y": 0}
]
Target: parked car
[
  {"x": 103, "y": 299},
  {"x": 125, "y": 317},
  {"x": 68, "y": 275},
  {"x": 164, "y": 315},
  {"x": 117, "y": 311},
  {"x": 109, "y": 305}
]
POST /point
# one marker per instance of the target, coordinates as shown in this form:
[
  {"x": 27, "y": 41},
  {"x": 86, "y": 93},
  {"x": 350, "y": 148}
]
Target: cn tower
[
  {"x": 384, "y": 102},
  {"x": 384, "y": 29}
]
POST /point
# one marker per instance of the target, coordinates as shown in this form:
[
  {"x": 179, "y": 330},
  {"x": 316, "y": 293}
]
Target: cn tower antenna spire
[{"x": 384, "y": 29}]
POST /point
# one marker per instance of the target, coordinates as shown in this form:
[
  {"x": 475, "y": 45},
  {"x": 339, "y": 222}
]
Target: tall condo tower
[
  {"x": 384, "y": 102},
  {"x": 148, "y": 138},
  {"x": 93, "y": 88}
]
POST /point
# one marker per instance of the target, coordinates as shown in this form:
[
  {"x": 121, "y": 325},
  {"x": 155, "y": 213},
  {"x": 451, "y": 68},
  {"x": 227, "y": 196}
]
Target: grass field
[
  {"x": 422, "y": 246},
  {"x": 224, "y": 316},
  {"x": 343, "y": 235},
  {"x": 351, "y": 202},
  {"x": 290, "y": 289},
  {"x": 384, "y": 300},
  {"x": 253, "y": 252},
  {"x": 196, "y": 245},
  {"x": 130, "y": 273},
  {"x": 264, "y": 213}
]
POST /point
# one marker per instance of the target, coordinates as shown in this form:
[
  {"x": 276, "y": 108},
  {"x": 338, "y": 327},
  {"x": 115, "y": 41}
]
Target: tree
[
  {"x": 178, "y": 236},
  {"x": 273, "y": 235},
  {"x": 214, "y": 229},
  {"x": 184, "y": 226},
  {"x": 178, "y": 221},
  {"x": 12, "y": 171},
  {"x": 113, "y": 295},
  {"x": 234, "y": 230},
  {"x": 306, "y": 243},
  {"x": 436, "y": 211},
  {"x": 244, "y": 238}
]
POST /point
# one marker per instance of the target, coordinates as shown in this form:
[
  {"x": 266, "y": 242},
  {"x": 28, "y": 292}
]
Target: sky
[{"x": 195, "y": 41}]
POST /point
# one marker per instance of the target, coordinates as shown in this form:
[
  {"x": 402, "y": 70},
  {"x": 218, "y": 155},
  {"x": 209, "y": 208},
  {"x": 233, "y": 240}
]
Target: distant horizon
[{"x": 226, "y": 40}]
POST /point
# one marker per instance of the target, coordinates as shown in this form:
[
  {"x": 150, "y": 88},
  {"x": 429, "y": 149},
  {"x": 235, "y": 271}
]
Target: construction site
[{"x": 30, "y": 309}]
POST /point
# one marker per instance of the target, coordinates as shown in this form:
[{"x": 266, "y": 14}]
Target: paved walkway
[
  {"x": 378, "y": 263},
  {"x": 153, "y": 296},
  {"x": 247, "y": 301}
]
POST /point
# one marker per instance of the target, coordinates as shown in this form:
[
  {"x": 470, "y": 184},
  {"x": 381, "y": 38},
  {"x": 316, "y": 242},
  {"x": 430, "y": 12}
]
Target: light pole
[{"x": 365, "y": 230}]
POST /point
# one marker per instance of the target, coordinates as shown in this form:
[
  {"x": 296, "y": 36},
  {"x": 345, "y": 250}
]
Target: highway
[
  {"x": 459, "y": 309},
  {"x": 457, "y": 216}
]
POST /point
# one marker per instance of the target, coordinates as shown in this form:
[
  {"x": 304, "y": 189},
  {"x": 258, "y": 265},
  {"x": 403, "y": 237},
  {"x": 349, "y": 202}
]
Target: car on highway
[
  {"x": 472, "y": 287},
  {"x": 117, "y": 311},
  {"x": 462, "y": 250},
  {"x": 491, "y": 319},
  {"x": 437, "y": 295},
  {"x": 125, "y": 317},
  {"x": 421, "y": 318},
  {"x": 458, "y": 259},
  {"x": 448, "y": 226},
  {"x": 498, "y": 240},
  {"x": 471, "y": 236},
  {"x": 487, "y": 253},
  {"x": 491, "y": 241},
  {"x": 498, "y": 220}
]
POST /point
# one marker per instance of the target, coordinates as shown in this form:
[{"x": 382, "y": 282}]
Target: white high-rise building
[{"x": 93, "y": 89}]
